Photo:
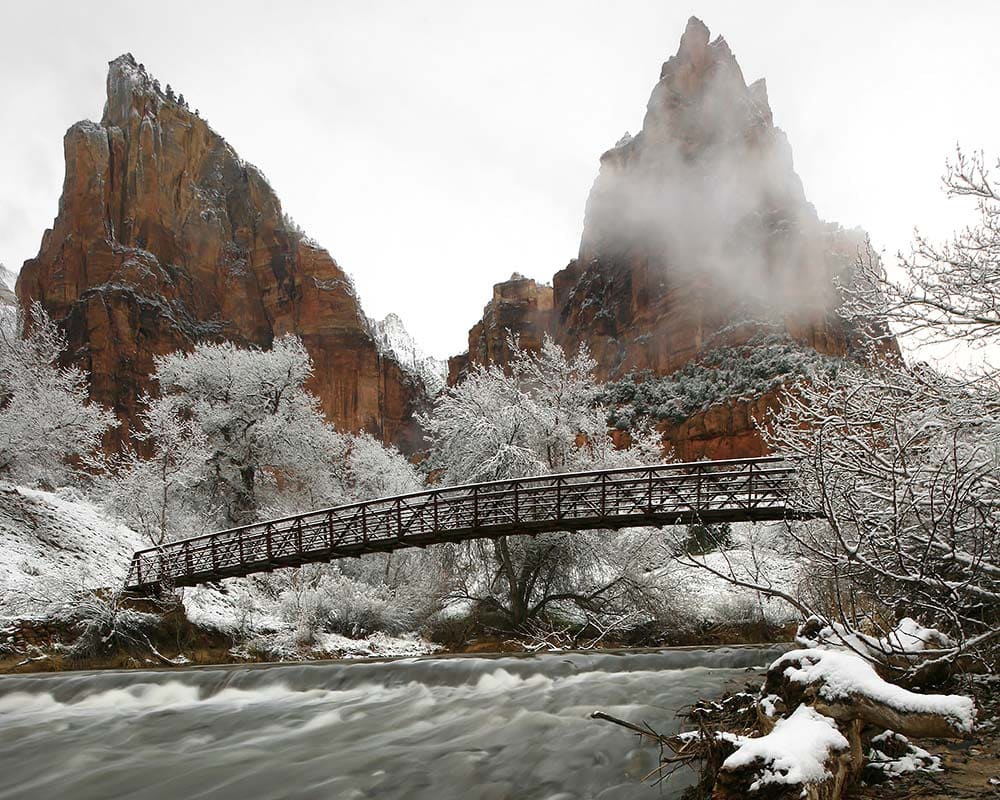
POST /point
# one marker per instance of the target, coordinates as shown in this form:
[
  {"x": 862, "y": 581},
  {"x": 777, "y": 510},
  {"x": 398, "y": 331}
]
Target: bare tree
[{"x": 903, "y": 461}]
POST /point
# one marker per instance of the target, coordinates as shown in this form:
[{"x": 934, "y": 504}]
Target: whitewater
[{"x": 441, "y": 728}]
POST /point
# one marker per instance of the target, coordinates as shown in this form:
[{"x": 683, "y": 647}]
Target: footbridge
[{"x": 735, "y": 490}]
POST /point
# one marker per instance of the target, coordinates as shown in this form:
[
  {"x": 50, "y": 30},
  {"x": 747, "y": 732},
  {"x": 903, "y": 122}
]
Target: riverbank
[
  {"x": 45, "y": 645},
  {"x": 970, "y": 767}
]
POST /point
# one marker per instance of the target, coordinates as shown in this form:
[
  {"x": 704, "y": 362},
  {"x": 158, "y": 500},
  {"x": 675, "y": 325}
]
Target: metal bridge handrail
[
  {"x": 658, "y": 494},
  {"x": 666, "y": 467}
]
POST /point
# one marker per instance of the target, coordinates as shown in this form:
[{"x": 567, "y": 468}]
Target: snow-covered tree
[
  {"x": 270, "y": 449},
  {"x": 540, "y": 417},
  {"x": 366, "y": 469},
  {"x": 156, "y": 485},
  {"x": 948, "y": 292},
  {"x": 235, "y": 436},
  {"x": 47, "y": 422}
]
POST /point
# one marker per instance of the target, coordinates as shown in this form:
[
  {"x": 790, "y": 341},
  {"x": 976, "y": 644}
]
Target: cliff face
[
  {"x": 165, "y": 238},
  {"x": 697, "y": 235},
  {"x": 519, "y": 306}
]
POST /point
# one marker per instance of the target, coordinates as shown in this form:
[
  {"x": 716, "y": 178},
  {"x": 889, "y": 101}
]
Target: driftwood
[
  {"x": 843, "y": 716},
  {"x": 787, "y": 695}
]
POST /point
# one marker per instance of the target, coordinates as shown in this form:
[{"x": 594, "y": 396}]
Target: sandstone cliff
[
  {"x": 519, "y": 306},
  {"x": 165, "y": 238},
  {"x": 697, "y": 235}
]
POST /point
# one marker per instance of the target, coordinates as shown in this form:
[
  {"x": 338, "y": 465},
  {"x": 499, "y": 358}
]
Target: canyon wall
[
  {"x": 697, "y": 235},
  {"x": 165, "y": 238}
]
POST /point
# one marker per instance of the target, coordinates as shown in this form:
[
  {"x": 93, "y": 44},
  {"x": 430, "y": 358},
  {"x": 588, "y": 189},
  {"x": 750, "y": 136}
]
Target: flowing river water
[{"x": 421, "y": 729}]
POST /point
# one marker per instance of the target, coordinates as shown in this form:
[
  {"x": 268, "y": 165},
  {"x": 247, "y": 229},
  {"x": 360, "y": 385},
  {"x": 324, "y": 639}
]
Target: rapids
[{"x": 422, "y": 729}]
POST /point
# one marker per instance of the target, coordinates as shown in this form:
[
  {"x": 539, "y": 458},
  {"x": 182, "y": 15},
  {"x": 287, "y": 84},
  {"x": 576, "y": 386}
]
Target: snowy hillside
[
  {"x": 7, "y": 281},
  {"x": 392, "y": 337},
  {"x": 54, "y": 542}
]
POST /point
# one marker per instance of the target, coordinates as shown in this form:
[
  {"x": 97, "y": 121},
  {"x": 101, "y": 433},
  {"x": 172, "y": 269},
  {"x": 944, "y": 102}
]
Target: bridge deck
[{"x": 668, "y": 494}]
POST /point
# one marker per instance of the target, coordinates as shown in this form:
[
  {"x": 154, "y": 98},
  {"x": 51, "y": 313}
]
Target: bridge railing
[{"x": 737, "y": 488}]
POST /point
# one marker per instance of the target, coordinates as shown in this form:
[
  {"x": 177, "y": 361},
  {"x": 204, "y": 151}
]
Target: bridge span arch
[{"x": 734, "y": 490}]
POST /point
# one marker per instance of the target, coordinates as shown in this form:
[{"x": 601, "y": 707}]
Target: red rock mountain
[
  {"x": 697, "y": 234},
  {"x": 165, "y": 238}
]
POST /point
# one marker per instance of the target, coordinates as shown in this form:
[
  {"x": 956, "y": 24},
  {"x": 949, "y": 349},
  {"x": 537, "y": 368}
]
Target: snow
[
  {"x": 842, "y": 674},
  {"x": 57, "y": 539},
  {"x": 755, "y": 557},
  {"x": 378, "y": 645},
  {"x": 913, "y": 759},
  {"x": 794, "y": 752},
  {"x": 909, "y": 637},
  {"x": 7, "y": 281},
  {"x": 393, "y": 339},
  {"x": 243, "y": 609}
]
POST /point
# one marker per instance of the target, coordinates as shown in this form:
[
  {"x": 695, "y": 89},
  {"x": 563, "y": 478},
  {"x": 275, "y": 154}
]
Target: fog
[{"x": 436, "y": 148}]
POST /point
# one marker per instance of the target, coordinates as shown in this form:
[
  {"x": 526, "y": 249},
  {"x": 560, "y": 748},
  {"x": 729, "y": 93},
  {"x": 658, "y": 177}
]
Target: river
[{"x": 421, "y": 729}]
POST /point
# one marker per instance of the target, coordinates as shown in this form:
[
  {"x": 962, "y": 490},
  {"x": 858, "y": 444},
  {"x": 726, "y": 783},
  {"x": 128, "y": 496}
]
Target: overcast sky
[{"x": 436, "y": 147}]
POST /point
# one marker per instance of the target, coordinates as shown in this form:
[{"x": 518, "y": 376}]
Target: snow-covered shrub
[
  {"x": 764, "y": 362},
  {"x": 542, "y": 416},
  {"x": 701, "y": 539},
  {"x": 102, "y": 623},
  {"x": 46, "y": 418}
]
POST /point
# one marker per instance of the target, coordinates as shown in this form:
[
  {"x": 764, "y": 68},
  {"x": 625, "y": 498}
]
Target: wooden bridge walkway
[{"x": 754, "y": 489}]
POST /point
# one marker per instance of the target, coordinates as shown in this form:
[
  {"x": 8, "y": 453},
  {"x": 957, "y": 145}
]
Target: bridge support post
[{"x": 697, "y": 501}]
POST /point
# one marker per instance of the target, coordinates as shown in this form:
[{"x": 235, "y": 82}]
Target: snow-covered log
[
  {"x": 822, "y": 712},
  {"x": 804, "y": 755},
  {"x": 847, "y": 688}
]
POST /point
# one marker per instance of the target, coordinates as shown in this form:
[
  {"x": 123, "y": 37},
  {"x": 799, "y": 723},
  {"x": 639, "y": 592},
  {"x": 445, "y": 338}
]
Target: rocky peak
[
  {"x": 697, "y": 235},
  {"x": 166, "y": 238},
  {"x": 697, "y": 222},
  {"x": 520, "y": 306},
  {"x": 395, "y": 341},
  {"x": 7, "y": 282}
]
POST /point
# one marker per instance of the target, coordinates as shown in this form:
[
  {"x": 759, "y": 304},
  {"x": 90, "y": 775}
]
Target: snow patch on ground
[
  {"x": 242, "y": 609},
  {"x": 52, "y": 542},
  {"x": 912, "y": 758},
  {"x": 378, "y": 645}
]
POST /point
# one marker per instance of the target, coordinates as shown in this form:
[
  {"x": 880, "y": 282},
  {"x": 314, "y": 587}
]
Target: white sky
[{"x": 436, "y": 147}]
